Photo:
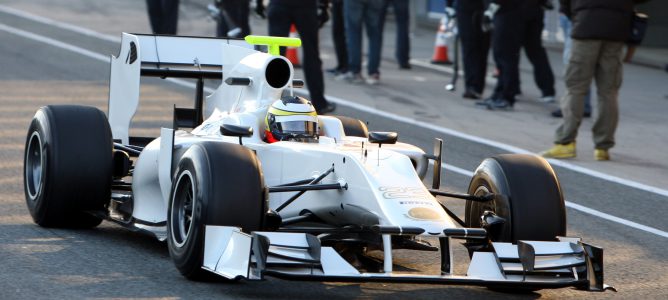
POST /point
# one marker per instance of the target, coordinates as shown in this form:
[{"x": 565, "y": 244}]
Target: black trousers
[
  {"x": 514, "y": 29},
  {"x": 236, "y": 16},
  {"x": 475, "y": 48},
  {"x": 306, "y": 21},
  {"x": 163, "y": 15},
  {"x": 339, "y": 36},
  {"x": 533, "y": 47},
  {"x": 507, "y": 43}
]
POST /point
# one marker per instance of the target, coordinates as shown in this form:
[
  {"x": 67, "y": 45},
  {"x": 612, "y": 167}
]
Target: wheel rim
[
  {"x": 496, "y": 234},
  {"x": 183, "y": 207},
  {"x": 34, "y": 166},
  {"x": 483, "y": 206}
]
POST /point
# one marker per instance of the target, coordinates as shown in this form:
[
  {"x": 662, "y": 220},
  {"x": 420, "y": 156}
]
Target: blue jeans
[
  {"x": 402, "y": 17},
  {"x": 368, "y": 12},
  {"x": 163, "y": 15},
  {"x": 566, "y": 26},
  {"x": 237, "y": 10}
]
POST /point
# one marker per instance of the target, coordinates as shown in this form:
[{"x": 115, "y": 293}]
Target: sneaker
[
  {"x": 487, "y": 103},
  {"x": 495, "y": 104},
  {"x": 335, "y": 72},
  {"x": 471, "y": 94},
  {"x": 341, "y": 76},
  {"x": 373, "y": 79},
  {"x": 350, "y": 77},
  {"x": 560, "y": 151},
  {"x": 601, "y": 154},
  {"x": 547, "y": 99},
  {"x": 501, "y": 104},
  {"x": 405, "y": 66}
]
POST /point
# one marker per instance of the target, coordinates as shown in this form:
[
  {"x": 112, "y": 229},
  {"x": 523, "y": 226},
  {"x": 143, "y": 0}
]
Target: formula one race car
[{"x": 263, "y": 186}]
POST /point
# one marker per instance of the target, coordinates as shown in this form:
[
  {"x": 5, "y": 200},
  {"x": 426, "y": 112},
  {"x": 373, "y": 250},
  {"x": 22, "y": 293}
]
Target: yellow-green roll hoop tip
[{"x": 273, "y": 42}]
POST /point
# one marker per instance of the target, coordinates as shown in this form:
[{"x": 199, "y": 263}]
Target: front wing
[{"x": 299, "y": 256}]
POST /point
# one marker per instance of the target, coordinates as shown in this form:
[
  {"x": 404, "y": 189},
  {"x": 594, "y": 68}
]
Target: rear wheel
[
  {"x": 215, "y": 184},
  {"x": 353, "y": 127},
  {"x": 67, "y": 166},
  {"x": 530, "y": 198}
]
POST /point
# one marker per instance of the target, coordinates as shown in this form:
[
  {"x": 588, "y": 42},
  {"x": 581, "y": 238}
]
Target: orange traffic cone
[
  {"x": 441, "y": 46},
  {"x": 291, "y": 52}
]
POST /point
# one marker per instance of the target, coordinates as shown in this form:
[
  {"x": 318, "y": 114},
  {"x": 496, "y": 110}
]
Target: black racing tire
[
  {"x": 531, "y": 198},
  {"x": 214, "y": 184},
  {"x": 67, "y": 166},
  {"x": 353, "y": 127}
]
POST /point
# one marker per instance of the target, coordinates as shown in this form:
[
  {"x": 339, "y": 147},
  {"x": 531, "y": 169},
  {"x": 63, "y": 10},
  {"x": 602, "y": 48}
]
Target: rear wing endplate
[{"x": 163, "y": 56}]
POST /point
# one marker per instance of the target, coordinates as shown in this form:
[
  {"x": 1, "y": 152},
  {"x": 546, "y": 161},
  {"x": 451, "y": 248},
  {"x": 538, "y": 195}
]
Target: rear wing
[{"x": 165, "y": 56}]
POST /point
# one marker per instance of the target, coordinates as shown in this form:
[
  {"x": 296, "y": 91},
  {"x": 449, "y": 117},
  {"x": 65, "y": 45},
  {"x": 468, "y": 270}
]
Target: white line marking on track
[
  {"x": 457, "y": 170},
  {"x": 617, "y": 220},
  {"x": 578, "y": 207},
  {"x": 56, "y": 43},
  {"x": 61, "y": 25}
]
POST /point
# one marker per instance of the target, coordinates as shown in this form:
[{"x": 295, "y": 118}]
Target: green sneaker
[
  {"x": 560, "y": 151},
  {"x": 601, "y": 154}
]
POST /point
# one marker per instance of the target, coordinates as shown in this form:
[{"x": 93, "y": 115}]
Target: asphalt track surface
[{"x": 112, "y": 262}]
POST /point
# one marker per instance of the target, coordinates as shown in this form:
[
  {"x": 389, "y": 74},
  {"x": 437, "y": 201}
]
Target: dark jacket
[
  {"x": 300, "y": 3},
  {"x": 467, "y": 5},
  {"x": 531, "y": 6},
  {"x": 600, "y": 19}
]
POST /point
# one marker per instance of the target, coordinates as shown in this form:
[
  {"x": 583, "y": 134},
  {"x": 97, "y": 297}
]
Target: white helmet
[{"x": 291, "y": 118}]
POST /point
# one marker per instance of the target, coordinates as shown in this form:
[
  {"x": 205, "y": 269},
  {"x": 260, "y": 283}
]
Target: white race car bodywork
[{"x": 378, "y": 188}]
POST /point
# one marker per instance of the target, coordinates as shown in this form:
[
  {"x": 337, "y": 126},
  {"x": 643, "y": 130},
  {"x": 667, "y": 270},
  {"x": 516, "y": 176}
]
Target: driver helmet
[{"x": 292, "y": 118}]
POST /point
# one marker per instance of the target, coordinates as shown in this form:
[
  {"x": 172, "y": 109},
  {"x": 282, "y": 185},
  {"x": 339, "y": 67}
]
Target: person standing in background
[
  {"x": 369, "y": 13},
  {"x": 475, "y": 44},
  {"x": 403, "y": 43},
  {"x": 517, "y": 24},
  {"x": 163, "y": 15},
  {"x": 233, "y": 16},
  {"x": 600, "y": 29},
  {"x": 308, "y": 16},
  {"x": 339, "y": 39},
  {"x": 507, "y": 21},
  {"x": 532, "y": 42}
]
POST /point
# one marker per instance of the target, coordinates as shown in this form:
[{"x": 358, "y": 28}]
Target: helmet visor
[{"x": 306, "y": 128}]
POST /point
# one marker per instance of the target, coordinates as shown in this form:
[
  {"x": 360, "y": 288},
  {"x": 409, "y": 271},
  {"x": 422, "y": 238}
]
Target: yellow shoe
[
  {"x": 560, "y": 151},
  {"x": 601, "y": 154}
]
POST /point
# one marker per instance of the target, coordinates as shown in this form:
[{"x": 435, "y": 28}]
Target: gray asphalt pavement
[{"x": 112, "y": 262}]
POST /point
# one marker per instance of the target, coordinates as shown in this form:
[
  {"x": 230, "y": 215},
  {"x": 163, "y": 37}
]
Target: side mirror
[
  {"x": 236, "y": 130},
  {"x": 378, "y": 137}
]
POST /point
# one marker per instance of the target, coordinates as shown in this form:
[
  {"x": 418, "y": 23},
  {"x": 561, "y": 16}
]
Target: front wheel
[
  {"x": 529, "y": 198},
  {"x": 215, "y": 184}
]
